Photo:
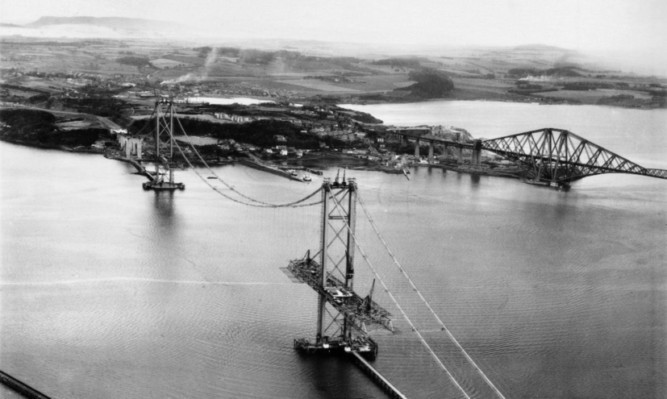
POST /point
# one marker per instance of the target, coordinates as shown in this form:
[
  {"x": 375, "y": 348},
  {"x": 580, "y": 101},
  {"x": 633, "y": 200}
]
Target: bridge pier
[
  {"x": 417, "y": 148},
  {"x": 430, "y": 152},
  {"x": 476, "y": 153}
]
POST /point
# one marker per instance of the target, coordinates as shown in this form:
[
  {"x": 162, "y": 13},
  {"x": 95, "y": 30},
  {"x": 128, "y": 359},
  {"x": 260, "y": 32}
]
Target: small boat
[
  {"x": 306, "y": 178},
  {"x": 292, "y": 172}
]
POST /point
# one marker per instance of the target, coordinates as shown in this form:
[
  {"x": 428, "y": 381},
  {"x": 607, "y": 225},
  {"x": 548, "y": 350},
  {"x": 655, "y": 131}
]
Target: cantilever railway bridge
[
  {"x": 561, "y": 157},
  {"x": 550, "y": 156}
]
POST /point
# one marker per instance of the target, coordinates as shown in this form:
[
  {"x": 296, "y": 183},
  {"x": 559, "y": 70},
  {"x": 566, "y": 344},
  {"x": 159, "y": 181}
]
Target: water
[
  {"x": 640, "y": 135},
  {"x": 227, "y": 101},
  {"x": 108, "y": 291}
]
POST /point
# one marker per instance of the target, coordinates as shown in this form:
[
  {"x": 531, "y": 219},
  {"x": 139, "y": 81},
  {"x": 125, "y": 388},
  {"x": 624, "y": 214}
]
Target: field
[
  {"x": 133, "y": 69},
  {"x": 593, "y": 96},
  {"x": 476, "y": 88},
  {"x": 319, "y": 85}
]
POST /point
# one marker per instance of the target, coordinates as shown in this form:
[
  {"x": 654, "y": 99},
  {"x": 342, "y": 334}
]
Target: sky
[{"x": 636, "y": 27}]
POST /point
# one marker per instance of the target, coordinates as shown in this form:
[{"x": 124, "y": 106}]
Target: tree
[{"x": 431, "y": 83}]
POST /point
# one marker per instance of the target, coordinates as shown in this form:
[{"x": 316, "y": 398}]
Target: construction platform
[
  {"x": 162, "y": 186},
  {"x": 363, "y": 312},
  {"x": 363, "y": 345}
]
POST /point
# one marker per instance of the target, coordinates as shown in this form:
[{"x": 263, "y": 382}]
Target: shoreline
[
  {"x": 518, "y": 99},
  {"x": 53, "y": 147},
  {"x": 322, "y": 160},
  {"x": 312, "y": 160}
]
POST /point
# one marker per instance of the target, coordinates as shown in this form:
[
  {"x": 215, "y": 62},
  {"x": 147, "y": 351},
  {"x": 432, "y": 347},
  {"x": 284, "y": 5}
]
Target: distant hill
[
  {"x": 93, "y": 27},
  {"x": 538, "y": 47},
  {"x": 117, "y": 23}
]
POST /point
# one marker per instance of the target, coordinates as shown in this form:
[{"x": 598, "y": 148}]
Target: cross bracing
[{"x": 560, "y": 156}]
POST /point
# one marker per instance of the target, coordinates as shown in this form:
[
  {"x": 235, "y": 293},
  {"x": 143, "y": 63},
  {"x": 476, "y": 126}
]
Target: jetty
[{"x": 256, "y": 163}]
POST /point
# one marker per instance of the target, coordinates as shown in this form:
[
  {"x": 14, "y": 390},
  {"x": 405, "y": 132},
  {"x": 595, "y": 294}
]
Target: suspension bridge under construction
[{"x": 346, "y": 318}]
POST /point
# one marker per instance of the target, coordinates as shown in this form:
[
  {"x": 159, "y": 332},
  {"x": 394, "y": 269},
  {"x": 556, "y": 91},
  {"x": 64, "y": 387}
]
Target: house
[{"x": 232, "y": 117}]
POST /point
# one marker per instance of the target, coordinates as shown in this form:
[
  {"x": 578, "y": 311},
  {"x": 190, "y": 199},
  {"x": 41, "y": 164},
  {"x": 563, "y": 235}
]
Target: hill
[
  {"x": 62, "y": 68},
  {"x": 99, "y": 28},
  {"x": 117, "y": 23}
]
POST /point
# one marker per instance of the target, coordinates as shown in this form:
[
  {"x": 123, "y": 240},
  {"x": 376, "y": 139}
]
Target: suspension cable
[
  {"x": 414, "y": 287},
  {"x": 229, "y": 186},
  {"x": 201, "y": 158},
  {"x": 294, "y": 204},
  {"x": 146, "y": 124},
  {"x": 398, "y": 306}
]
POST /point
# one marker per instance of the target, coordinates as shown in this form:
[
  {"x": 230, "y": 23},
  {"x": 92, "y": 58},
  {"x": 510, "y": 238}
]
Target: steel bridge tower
[
  {"x": 164, "y": 148},
  {"x": 343, "y": 317},
  {"x": 338, "y": 218}
]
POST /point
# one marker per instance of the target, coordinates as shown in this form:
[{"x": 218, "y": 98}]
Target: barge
[{"x": 364, "y": 345}]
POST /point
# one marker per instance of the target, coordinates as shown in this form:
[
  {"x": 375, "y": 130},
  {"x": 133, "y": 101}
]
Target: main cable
[
  {"x": 201, "y": 158},
  {"x": 294, "y": 204},
  {"x": 257, "y": 202},
  {"x": 398, "y": 306},
  {"x": 414, "y": 287},
  {"x": 146, "y": 124}
]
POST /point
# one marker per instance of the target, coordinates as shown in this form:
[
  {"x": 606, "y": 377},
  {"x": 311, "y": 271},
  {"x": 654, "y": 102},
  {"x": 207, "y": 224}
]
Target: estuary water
[
  {"x": 107, "y": 291},
  {"x": 228, "y": 101}
]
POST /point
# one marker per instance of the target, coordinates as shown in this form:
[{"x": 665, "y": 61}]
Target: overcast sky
[{"x": 637, "y": 26}]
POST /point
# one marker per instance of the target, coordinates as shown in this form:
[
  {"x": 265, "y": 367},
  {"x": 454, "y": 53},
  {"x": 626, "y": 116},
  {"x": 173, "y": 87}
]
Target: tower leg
[
  {"x": 321, "y": 303},
  {"x": 349, "y": 264}
]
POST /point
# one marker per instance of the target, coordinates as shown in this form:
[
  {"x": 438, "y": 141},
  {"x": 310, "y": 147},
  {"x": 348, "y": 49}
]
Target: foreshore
[{"x": 312, "y": 164}]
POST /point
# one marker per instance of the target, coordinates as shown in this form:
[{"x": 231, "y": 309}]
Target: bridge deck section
[
  {"x": 364, "y": 312},
  {"x": 20, "y": 387},
  {"x": 375, "y": 375}
]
